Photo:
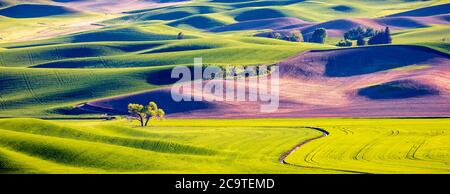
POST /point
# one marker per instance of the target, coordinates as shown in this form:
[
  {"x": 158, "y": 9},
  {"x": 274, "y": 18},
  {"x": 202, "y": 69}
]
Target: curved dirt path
[
  {"x": 325, "y": 133},
  {"x": 291, "y": 151}
]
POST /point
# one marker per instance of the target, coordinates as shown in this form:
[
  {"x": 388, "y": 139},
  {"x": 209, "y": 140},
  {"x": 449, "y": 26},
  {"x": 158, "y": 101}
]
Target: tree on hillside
[
  {"x": 387, "y": 36},
  {"x": 319, "y": 36},
  {"x": 344, "y": 43},
  {"x": 360, "y": 41},
  {"x": 358, "y": 33},
  {"x": 137, "y": 112},
  {"x": 180, "y": 36},
  {"x": 153, "y": 112},
  {"x": 144, "y": 113},
  {"x": 295, "y": 36},
  {"x": 275, "y": 35},
  {"x": 381, "y": 37}
]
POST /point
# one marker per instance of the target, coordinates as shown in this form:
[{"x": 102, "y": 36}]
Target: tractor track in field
[
  {"x": 2, "y": 61},
  {"x": 3, "y": 104},
  {"x": 325, "y": 133},
  {"x": 59, "y": 78},
  {"x": 30, "y": 58},
  {"x": 30, "y": 89}
]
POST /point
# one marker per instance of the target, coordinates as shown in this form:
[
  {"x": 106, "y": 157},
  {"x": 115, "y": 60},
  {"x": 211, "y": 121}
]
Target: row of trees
[
  {"x": 145, "y": 113},
  {"x": 294, "y": 36},
  {"x": 360, "y": 35},
  {"x": 381, "y": 37},
  {"x": 318, "y": 36}
]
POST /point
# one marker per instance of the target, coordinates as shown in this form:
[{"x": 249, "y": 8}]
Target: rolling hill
[
  {"x": 145, "y": 39},
  {"x": 382, "y": 77},
  {"x": 337, "y": 28},
  {"x": 426, "y": 11},
  {"x": 242, "y": 146},
  {"x": 35, "y": 10}
]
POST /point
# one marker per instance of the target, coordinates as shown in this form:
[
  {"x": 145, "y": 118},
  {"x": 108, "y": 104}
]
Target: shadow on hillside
[
  {"x": 119, "y": 105},
  {"x": 398, "y": 90},
  {"x": 34, "y": 11}
]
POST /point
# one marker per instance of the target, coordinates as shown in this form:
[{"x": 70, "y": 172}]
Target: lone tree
[
  {"x": 153, "y": 112},
  {"x": 319, "y": 36},
  {"x": 144, "y": 113},
  {"x": 137, "y": 112},
  {"x": 387, "y": 36},
  {"x": 180, "y": 36}
]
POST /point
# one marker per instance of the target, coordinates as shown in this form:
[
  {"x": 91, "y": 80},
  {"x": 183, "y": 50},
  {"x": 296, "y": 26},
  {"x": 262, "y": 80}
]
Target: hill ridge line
[{"x": 424, "y": 48}]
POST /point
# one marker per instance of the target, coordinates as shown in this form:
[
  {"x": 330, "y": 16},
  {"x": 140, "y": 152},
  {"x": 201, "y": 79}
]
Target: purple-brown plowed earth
[{"x": 379, "y": 81}]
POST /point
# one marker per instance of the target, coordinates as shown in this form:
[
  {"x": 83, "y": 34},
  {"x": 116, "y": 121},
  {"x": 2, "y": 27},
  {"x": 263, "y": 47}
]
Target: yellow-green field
[
  {"x": 117, "y": 53},
  {"x": 225, "y": 146},
  {"x": 379, "y": 146}
]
